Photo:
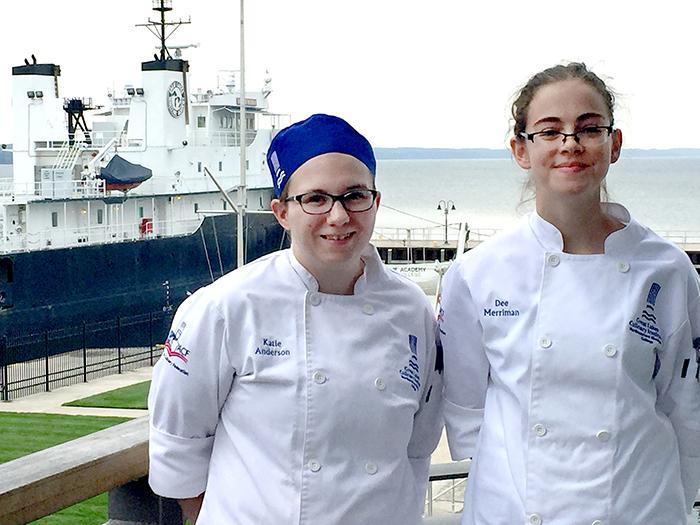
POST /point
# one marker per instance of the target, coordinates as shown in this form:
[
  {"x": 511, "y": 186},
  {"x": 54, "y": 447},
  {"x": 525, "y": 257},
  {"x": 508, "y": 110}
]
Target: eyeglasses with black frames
[
  {"x": 318, "y": 202},
  {"x": 588, "y": 136}
]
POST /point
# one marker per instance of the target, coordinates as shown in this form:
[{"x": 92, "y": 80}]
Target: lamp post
[{"x": 447, "y": 206}]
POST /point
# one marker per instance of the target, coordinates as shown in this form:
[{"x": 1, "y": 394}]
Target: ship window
[
  {"x": 221, "y": 166},
  {"x": 100, "y": 216},
  {"x": 201, "y": 121},
  {"x": 140, "y": 212},
  {"x": 196, "y": 207},
  {"x": 54, "y": 219},
  {"x": 199, "y": 166},
  {"x": 247, "y": 164},
  {"x": 224, "y": 204}
]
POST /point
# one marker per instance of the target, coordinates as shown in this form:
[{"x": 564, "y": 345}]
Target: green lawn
[
  {"x": 23, "y": 434},
  {"x": 134, "y": 396}
]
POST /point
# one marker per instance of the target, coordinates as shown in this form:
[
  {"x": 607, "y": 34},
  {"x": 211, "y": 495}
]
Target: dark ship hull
[{"x": 51, "y": 290}]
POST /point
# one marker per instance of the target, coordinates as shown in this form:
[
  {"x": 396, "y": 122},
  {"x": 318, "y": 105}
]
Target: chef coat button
[
  {"x": 314, "y": 466},
  {"x": 539, "y": 429},
  {"x": 545, "y": 342},
  {"x": 379, "y": 383},
  {"x": 534, "y": 519},
  {"x": 319, "y": 377},
  {"x": 371, "y": 468},
  {"x": 603, "y": 436},
  {"x": 597, "y": 522},
  {"x": 553, "y": 260},
  {"x": 315, "y": 299},
  {"x": 623, "y": 266},
  {"x": 368, "y": 309},
  {"x": 610, "y": 350}
]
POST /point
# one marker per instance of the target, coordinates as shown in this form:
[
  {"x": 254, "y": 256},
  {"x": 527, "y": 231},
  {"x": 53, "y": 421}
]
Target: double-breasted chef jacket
[
  {"x": 572, "y": 379},
  {"x": 291, "y": 406}
]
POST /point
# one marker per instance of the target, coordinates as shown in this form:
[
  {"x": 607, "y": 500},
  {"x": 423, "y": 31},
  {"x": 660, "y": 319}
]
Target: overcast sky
[{"x": 436, "y": 73}]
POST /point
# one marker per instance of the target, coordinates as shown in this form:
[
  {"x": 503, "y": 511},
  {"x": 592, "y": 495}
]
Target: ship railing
[
  {"x": 681, "y": 237},
  {"x": 224, "y": 139},
  {"x": 687, "y": 239},
  {"x": 53, "y": 238},
  {"x": 409, "y": 236},
  {"x": 50, "y": 144},
  {"x": 102, "y": 138},
  {"x": 55, "y": 184},
  {"x": 116, "y": 460}
]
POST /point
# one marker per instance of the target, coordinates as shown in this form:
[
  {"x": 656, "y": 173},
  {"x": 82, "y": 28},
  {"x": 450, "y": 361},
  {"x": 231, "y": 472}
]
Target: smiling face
[
  {"x": 566, "y": 169},
  {"x": 331, "y": 243}
]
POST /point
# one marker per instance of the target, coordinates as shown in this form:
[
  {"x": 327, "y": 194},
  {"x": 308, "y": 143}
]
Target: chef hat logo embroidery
[
  {"x": 411, "y": 372},
  {"x": 645, "y": 324}
]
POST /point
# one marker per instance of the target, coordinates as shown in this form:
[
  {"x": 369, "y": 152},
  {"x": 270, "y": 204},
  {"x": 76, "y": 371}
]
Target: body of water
[{"x": 663, "y": 193}]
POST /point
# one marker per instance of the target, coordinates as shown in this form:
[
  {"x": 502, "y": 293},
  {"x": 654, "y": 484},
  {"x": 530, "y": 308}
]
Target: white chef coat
[
  {"x": 572, "y": 379},
  {"x": 291, "y": 406}
]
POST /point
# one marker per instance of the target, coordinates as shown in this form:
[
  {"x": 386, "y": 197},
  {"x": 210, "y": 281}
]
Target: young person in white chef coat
[
  {"x": 304, "y": 387},
  {"x": 570, "y": 342}
]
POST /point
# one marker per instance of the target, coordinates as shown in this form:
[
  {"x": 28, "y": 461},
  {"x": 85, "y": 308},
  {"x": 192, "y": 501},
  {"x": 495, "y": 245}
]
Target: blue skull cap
[{"x": 316, "y": 135}]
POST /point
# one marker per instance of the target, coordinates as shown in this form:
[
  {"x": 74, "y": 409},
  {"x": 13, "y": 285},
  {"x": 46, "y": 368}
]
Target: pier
[{"x": 427, "y": 245}]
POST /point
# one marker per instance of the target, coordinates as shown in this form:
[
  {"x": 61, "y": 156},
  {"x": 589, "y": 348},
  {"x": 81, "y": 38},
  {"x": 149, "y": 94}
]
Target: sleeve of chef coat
[
  {"x": 679, "y": 391},
  {"x": 427, "y": 422},
  {"x": 466, "y": 365},
  {"x": 186, "y": 397}
]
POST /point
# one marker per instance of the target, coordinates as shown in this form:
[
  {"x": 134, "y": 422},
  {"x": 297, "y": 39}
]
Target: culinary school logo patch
[
  {"x": 411, "y": 372},
  {"x": 174, "y": 350},
  {"x": 644, "y": 325}
]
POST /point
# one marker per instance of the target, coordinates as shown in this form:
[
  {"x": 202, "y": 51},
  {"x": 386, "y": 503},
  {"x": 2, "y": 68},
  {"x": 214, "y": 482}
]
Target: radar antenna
[
  {"x": 178, "y": 49},
  {"x": 158, "y": 27}
]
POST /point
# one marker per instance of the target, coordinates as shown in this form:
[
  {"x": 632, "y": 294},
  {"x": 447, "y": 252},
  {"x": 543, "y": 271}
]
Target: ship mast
[{"x": 158, "y": 27}]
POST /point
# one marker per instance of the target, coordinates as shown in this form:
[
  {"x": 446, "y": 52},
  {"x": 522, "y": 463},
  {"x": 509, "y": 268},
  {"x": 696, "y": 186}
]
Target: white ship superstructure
[{"x": 58, "y": 196}]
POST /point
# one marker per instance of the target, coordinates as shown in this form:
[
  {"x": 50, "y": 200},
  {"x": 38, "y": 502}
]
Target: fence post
[
  {"x": 3, "y": 362},
  {"x": 150, "y": 336},
  {"x": 46, "y": 357},
  {"x": 84, "y": 355},
  {"x": 119, "y": 344}
]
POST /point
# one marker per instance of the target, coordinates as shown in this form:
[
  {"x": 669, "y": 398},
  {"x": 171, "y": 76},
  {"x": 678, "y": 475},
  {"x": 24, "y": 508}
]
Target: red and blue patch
[{"x": 174, "y": 349}]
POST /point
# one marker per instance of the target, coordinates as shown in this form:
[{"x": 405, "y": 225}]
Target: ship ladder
[
  {"x": 206, "y": 253},
  {"x": 62, "y": 154},
  {"x": 67, "y": 156}
]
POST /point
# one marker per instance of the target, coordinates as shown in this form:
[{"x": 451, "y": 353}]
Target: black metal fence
[{"x": 33, "y": 363}]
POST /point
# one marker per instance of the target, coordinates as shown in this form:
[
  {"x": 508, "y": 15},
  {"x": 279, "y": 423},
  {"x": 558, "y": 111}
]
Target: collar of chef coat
[
  {"x": 371, "y": 271},
  {"x": 618, "y": 242}
]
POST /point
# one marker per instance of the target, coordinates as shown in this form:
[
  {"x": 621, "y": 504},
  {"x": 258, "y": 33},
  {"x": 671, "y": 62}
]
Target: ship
[{"x": 115, "y": 210}]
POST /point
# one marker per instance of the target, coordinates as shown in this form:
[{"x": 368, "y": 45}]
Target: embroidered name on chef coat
[
  {"x": 269, "y": 346},
  {"x": 645, "y": 323},
  {"x": 501, "y": 308},
  {"x": 175, "y": 351},
  {"x": 411, "y": 372}
]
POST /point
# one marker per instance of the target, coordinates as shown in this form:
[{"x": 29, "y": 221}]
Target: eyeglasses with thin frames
[
  {"x": 319, "y": 203},
  {"x": 587, "y": 136}
]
